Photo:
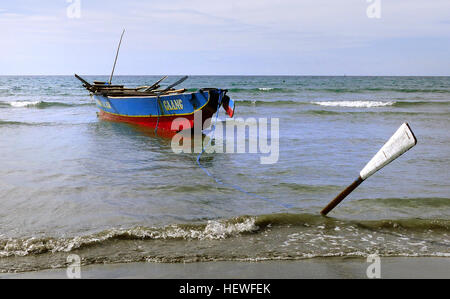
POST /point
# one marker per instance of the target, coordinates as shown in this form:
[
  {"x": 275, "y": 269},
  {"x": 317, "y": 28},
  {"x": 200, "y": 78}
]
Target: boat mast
[{"x": 117, "y": 55}]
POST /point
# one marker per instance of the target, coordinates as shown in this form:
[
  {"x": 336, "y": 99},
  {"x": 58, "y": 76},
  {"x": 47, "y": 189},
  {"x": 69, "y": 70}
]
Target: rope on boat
[{"x": 220, "y": 182}]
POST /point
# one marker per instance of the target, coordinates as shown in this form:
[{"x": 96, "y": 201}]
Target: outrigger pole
[
  {"x": 117, "y": 55},
  {"x": 398, "y": 144}
]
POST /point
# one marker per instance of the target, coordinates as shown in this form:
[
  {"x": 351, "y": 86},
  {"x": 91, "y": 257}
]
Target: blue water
[{"x": 114, "y": 192}]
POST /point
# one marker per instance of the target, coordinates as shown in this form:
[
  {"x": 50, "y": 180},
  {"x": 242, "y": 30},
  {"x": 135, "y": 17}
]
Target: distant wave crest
[
  {"x": 268, "y": 103},
  {"x": 39, "y": 104},
  {"x": 355, "y": 104},
  {"x": 19, "y": 104},
  {"x": 371, "y": 104},
  {"x": 378, "y": 89}
]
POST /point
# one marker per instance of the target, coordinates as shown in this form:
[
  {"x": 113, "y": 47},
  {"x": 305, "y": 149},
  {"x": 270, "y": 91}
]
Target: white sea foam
[
  {"x": 213, "y": 230},
  {"x": 21, "y": 104},
  {"x": 354, "y": 104},
  {"x": 265, "y": 88}
]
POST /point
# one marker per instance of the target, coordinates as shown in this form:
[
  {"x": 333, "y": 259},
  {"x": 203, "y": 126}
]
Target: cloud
[{"x": 199, "y": 30}]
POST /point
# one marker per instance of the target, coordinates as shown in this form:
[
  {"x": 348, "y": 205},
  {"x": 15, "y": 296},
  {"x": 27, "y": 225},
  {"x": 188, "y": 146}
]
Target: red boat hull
[
  {"x": 174, "y": 114},
  {"x": 164, "y": 124}
]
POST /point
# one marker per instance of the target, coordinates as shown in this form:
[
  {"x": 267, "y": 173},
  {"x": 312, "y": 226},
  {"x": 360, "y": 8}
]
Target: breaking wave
[
  {"x": 19, "y": 104},
  {"x": 247, "y": 102},
  {"x": 262, "y": 89},
  {"x": 347, "y": 103},
  {"x": 212, "y": 230},
  {"x": 245, "y": 238},
  {"x": 40, "y": 104},
  {"x": 354, "y": 104}
]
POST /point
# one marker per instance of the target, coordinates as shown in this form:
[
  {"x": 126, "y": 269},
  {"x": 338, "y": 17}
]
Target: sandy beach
[{"x": 318, "y": 268}]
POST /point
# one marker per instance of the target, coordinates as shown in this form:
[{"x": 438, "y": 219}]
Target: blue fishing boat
[{"x": 157, "y": 107}]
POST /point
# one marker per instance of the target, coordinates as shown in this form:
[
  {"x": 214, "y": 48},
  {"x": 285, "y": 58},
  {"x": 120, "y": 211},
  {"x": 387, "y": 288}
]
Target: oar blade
[{"x": 402, "y": 141}]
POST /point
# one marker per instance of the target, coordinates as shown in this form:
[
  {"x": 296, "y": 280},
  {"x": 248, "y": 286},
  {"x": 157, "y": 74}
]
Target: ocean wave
[
  {"x": 413, "y": 224},
  {"x": 217, "y": 230},
  {"x": 415, "y": 203},
  {"x": 21, "y": 123},
  {"x": 299, "y": 89},
  {"x": 262, "y": 89},
  {"x": 212, "y": 230},
  {"x": 354, "y": 104},
  {"x": 371, "y": 104},
  {"x": 245, "y": 102},
  {"x": 14, "y": 123},
  {"x": 309, "y": 188},
  {"x": 40, "y": 104},
  {"x": 297, "y": 257},
  {"x": 421, "y": 103},
  {"x": 292, "y": 89},
  {"x": 371, "y": 112},
  {"x": 379, "y": 89},
  {"x": 19, "y": 104},
  {"x": 268, "y": 103},
  {"x": 246, "y": 238},
  {"x": 255, "y": 90},
  {"x": 411, "y": 90},
  {"x": 345, "y": 104}
]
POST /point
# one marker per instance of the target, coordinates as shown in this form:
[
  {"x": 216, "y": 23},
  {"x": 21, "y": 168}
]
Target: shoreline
[{"x": 317, "y": 268}]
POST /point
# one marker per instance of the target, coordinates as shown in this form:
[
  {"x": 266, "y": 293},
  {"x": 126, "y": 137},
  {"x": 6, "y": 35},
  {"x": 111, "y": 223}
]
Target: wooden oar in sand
[{"x": 398, "y": 144}]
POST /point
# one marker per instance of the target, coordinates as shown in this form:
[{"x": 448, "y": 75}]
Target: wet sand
[{"x": 345, "y": 268}]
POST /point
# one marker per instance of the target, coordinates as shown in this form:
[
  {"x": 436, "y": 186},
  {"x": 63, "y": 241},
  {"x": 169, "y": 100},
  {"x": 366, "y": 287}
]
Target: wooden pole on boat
[
  {"x": 173, "y": 85},
  {"x": 85, "y": 83},
  {"x": 155, "y": 85},
  {"x": 117, "y": 55},
  {"x": 402, "y": 140}
]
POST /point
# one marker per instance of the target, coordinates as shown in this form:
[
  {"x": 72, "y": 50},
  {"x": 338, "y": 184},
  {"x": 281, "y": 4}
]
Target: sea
[{"x": 71, "y": 183}]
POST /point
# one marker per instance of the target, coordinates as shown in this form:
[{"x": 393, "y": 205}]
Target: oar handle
[{"x": 341, "y": 196}]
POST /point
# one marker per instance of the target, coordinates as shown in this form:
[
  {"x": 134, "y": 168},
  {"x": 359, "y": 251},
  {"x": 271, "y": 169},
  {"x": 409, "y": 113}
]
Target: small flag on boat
[{"x": 228, "y": 105}]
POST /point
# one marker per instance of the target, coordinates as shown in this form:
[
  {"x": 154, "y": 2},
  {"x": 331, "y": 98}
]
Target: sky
[{"x": 232, "y": 37}]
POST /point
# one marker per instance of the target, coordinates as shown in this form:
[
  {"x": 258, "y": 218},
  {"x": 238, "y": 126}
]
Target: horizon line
[{"x": 210, "y": 75}]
